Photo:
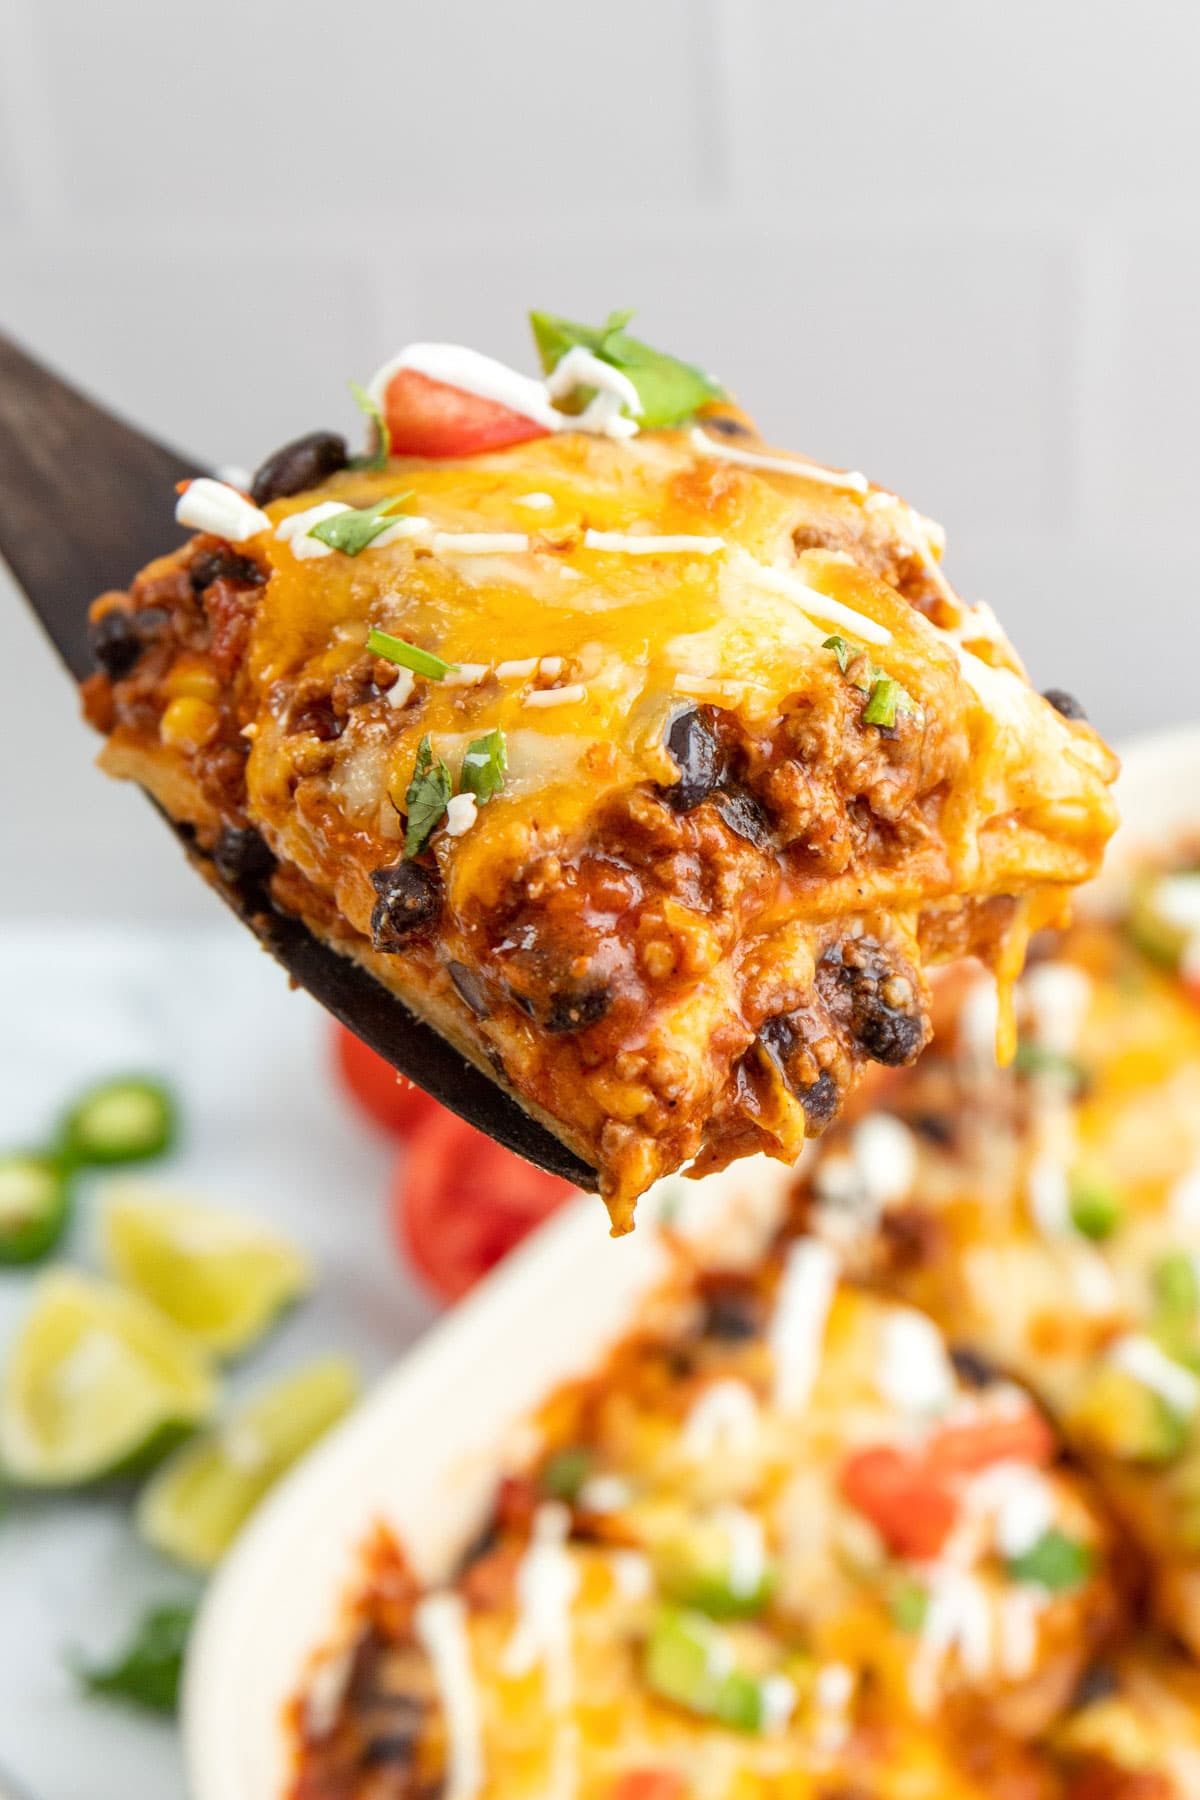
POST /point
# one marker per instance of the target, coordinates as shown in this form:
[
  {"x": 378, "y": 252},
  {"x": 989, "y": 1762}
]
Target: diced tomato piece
[
  {"x": 460, "y": 1202},
  {"x": 912, "y": 1509},
  {"x": 1001, "y": 1437},
  {"x": 516, "y": 1502},
  {"x": 390, "y": 1099},
  {"x": 430, "y": 418},
  {"x": 648, "y": 1784}
]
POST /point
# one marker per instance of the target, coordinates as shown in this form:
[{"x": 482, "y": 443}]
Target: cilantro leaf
[
  {"x": 910, "y": 1604},
  {"x": 407, "y": 656},
  {"x": 564, "y": 1473},
  {"x": 484, "y": 767},
  {"x": 1033, "y": 1058},
  {"x": 351, "y": 532},
  {"x": 427, "y": 798},
  {"x": 1056, "y": 1562},
  {"x": 670, "y": 390},
  {"x": 147, "y": 1671},
  {"x": 378, "y": 458},
  {"x": 841, "y": 650}
]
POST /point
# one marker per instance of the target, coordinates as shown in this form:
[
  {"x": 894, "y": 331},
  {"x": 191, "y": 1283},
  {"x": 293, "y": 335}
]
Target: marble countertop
[{"x": 265, "y": 1130}]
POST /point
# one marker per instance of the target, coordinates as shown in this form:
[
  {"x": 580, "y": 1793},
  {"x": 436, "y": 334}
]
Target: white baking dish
[{"x": 422, "y": 1452}]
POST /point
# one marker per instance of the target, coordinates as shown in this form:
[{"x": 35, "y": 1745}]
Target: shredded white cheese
[
  {"x": 633, "y": 1574},
  {"x": 546, "y": 1582},
  {"x": 797, "y": 1332},
  {"x": 440, "y": 1622},
  {"x": 1141, "y": 1357},
  {"x": 559, "y": 696},
  {"x": 517, "y": 670},
  {"x": 1048, "y": 1191},
  {"x": 400, "y": 692},
  {"x": 461, "y": 814},
  {"x": 466, "y": 675},
  {"x": 479, "y": 543},
  {"x": 295, "y": 528},
  {"x": 551, "y": 667},
  {"x": 885, "y": 1159},
  {"x": 1056, "y": 996},
  {"x": 1018, "y": 1500},
  {"x": 635, "y": 543},
  {"x": 605, "y": 1494},
  {"x": 536, "y": 502},
  {"x": 724, "y": 1419},
  {"x": 787, "y": 465},
  {"x": 815, "y": 604},
  {"x": 1017, "y": 1621},
  {"x": 744, "y": 1536},
  {"x": 207, "y": 505},
  {"x": 914, "y": 1372},
  {"x": 778, "y": 1695}
]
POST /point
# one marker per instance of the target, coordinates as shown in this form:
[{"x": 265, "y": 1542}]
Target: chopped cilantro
[
  {"x": 378, "y": 458},
  {"x": 1056, "y": 1562},
  {"x": 1176, "y": 1287},
  {"x": 427, "y": 798},
  {"x": 883, "y": 702},
  {"x": 1033, "y": 1058},
  {"x": 669, "y": 390},
  {"x": 351, "y": 532},
  {"x": 1096, "y": 1207},
  {"x": 147, "y": 1671},
  {"x": 407, "y": 656},
  {"x": 910, "y": 1604},
  {"x": 484, "y": 767},
  {"x": 564, "y": 1473}
]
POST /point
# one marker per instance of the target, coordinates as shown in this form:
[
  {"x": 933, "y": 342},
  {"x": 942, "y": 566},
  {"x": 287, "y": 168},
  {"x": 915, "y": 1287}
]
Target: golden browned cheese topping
[{"x": 759, "y": 766}]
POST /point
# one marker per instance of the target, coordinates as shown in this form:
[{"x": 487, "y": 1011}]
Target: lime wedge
[
  {"x": 199, "y": 1500},
  {"x": 96, "y": 1383},
  {"x": 218, "y": 1276}
]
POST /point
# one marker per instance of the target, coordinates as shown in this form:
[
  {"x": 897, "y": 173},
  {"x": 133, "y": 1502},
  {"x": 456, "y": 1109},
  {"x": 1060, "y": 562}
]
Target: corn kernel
[
  {"x": 189, "y": 724},
  {"x": 192, "y": 678}
]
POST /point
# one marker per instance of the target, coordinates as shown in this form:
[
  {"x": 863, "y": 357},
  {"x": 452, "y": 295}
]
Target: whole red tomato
[
  {"x": 390, "y": 1099},
  {"x": 460, "y": 1202}
]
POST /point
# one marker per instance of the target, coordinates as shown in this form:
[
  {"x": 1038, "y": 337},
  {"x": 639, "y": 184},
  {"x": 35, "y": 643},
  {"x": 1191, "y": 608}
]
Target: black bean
[
  {"x": 115, "y": 643},
  {"x": 733, "y": 1310},
  {"x": 972, "y": 1367},
  {"x": 744, "y": 815},
  {"x": 118, "y": 637},
  {"x": 394, "y": 1747},
  {"x": 853, "y": 977},
  {"x": 471, "y": 988},
  {"x": 1064, "y": 703},
  {"x": 725, "y": 425},
  {"x": 224, "y": 564},
  {"x": 935, "y": 1128},
  {"x": 1099, "y": 1681},
  {"x": 696, "y": 752},
  {"x": 820, "y": 1102},
  {"x": 409, "y": 900},
  {"x": 241, "y": 855},
  {"x": 304, "y": 463},
  {"x": 572, "y": 1009}
]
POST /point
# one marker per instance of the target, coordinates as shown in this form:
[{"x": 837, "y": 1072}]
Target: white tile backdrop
[{"x": 957, "y": 245}]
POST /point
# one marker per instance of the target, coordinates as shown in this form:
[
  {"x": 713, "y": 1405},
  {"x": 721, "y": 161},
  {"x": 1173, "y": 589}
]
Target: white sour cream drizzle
[
  {"x": 441, "y": 1629},
  {"x": 207, "y": 505},
  {"x": 797, "y": 1332},
  {"x": 815, "y": 604},
  {"x": 546, "y": 1582},
  {"x": 632, "y": 543},
  {"x": 786, "y": 465},
  {"x": 959, "y": 1618},
  {"x": 1018, "y": 1500},
  {"x": 473, "y": 373}
]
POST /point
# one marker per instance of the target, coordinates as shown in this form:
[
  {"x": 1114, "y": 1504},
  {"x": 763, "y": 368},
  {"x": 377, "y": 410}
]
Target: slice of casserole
[{"x": 649, "y": 765}]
